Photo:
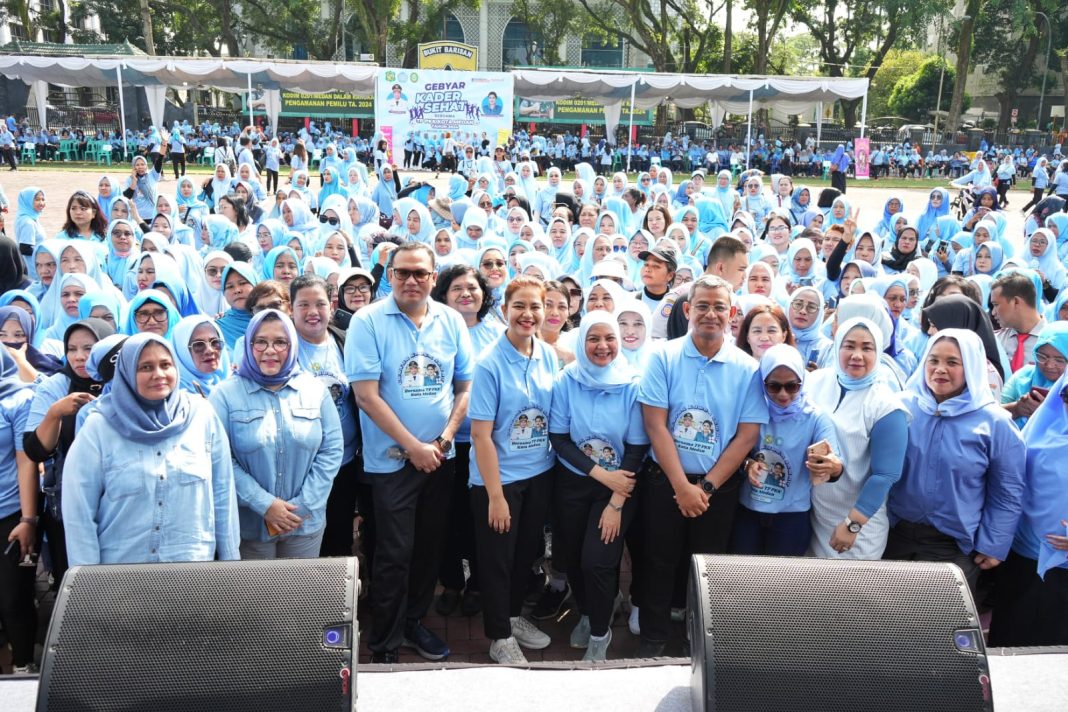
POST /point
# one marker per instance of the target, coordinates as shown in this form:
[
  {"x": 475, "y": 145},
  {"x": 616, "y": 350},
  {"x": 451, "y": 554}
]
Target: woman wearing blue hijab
[
  {"x": 104, "y": 305},
  {"x": 67, "y": 293},
  {"x": 122, "y": 246},
  {"x": 203, "y": 359},
  {"x": 220, "y": 233},
  {"x": 1033, "y": 580},
  {"x": 151, "y": 311},
  {"x": 111, "y": 501},
  {"x": 28, "y": 230},
  {"x": 711, "y": 218},
  {"x": 1019, "y": 396},
  {"x": 937, "y": 207},
  {"x": 238, "y": 280},
  {"x": 286, "y": 441},
  {"x": 385, "y": 193}
]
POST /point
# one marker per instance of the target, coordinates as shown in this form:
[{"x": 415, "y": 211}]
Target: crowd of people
[{"x": 222, "y": 369}]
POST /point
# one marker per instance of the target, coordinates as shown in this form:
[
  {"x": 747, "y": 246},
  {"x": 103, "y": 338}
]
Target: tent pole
[
  {"x": 819, "y": 124},
  {"x": 122, "y": 111},
  {"x": 864, "y": 114},
  {"x": 630, "y": 131},
  {"x": 250, "y": 117},
  {"x": 749, "y": 131}
]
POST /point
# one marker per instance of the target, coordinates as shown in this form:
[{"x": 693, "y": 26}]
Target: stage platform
[{"x": 1023, "y": 680}]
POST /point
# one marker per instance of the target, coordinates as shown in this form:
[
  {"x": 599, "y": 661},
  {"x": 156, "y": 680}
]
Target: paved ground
[{"x": 59, "y": 184}]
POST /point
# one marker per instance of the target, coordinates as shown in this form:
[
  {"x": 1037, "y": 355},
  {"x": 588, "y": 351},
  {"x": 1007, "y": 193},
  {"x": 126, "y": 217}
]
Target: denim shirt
[
  {"x": 286, "y": 444},
  {"x": 128, "y": 502},
  {"x": 13, "y": 413}
]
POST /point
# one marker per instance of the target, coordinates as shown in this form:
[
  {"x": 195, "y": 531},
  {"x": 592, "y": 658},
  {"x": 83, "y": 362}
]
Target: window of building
[
  {"x": 453, "y": 31},
  {"x": 520, "y": 45},
  {"x": 602, "y": 51}
]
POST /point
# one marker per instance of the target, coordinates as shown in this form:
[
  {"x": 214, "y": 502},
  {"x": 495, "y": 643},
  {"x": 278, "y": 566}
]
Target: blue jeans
[{"x": 760, "y": 533}]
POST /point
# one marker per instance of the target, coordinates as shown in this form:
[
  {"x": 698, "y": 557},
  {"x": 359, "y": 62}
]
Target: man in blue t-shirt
[
  {"x": 703, "y": 404},
  {"x": 410, "y": 363}
]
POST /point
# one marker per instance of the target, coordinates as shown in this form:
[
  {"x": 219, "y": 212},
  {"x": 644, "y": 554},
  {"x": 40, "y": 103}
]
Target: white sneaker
[
  {"x": 506, "y": 652},
  {"x": 529, "y": 635},
  {"x": 632, "y": 622},
  {"x": 580, "y": 636},
  {"x": 29, "y": 669},
  {"x": 597, "y": 650}
]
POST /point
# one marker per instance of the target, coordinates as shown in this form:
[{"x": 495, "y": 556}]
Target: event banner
[
  {"x": 467, "y": 104},
  {"x": 861, "y": 158},
  {"x": 575, "y": 111},
  {"x": 448, "y": 55},
  {"x": 332, "y": 104}
]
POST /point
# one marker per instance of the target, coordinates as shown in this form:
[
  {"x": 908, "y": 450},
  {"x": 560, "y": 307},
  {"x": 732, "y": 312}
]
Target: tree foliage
[
  {"x": 551, "y": 20},
  {"x": 676, "y": 35},
  {"x": 914, "y": 96},
  {"x": 854, "y": 36},
  {"x": 898, "y": 64}
]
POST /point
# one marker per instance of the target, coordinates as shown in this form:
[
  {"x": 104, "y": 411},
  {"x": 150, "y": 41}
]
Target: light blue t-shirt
[
  {"x": 515, "y": 393},
  {"x": 384, "y": 345},
  {"x": 482, "y": 334},
  {"x": 706, "y": 399},
  {"x": 783, "y": 447},
  {"x": 13, "y": 413},
  {"x": 324, "y": 361},
  {"x": 599, "y": 422}
]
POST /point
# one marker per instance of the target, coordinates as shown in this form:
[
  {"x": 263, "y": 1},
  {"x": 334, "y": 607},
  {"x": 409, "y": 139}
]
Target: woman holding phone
[{"x": 797, "y": 449}]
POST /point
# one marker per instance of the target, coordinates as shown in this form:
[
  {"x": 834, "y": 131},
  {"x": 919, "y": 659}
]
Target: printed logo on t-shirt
[
  {"x": 601, "y": 452},
  {"x": 695, "y": 430},
  {"x": 530, "y": 430},
  {"x": 776, "y": 477},
  {"x": 329, "y": 379},
  {"x": 421, "y": 376}
]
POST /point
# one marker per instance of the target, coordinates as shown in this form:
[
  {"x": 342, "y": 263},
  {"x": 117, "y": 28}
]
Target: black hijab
[
  {"x": 12, "y": 267},
  {"x": 957, "y": 311},
  {"x": 80, "y": 384},
  {"x": 898, "y": 260}
]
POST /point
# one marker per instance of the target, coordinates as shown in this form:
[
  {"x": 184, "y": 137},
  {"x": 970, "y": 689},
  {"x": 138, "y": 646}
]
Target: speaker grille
[
  {"x": 807, "y": 634},
  {"x": 221, "y": 636}
]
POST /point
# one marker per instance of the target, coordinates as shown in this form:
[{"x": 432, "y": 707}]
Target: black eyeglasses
[
  {"x": 575, "y": 292},
  {"x": 333, "y": 221},
  {"x": 352, "y": 289},
  {"x": 493, "y": 264},
  {"x": 279, "y": 345},
  {"x": 157, "y": 315},
  {"x": 419, "y": 275},
  {"x": 774, "y": 387}
]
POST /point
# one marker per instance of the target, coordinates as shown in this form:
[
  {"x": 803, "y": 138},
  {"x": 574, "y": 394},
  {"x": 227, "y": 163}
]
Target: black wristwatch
[
  {"x": 853, "y": 527},
  {"x": 707, "y": 486},
  {"x": 445, "y": 445}
]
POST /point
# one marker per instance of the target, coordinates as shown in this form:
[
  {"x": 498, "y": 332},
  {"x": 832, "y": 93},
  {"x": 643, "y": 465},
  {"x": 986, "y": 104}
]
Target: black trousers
[
  {"x": 17, "y": 613},
  {"x": 1036, "y": 197},
  {"x": 909, "y": 541},
  {"x": 9, "y": 156},
  {"x": 410, "y": 526},
  {"x": 178, "y": 159},
  {"x": 272, "y": 180},
  {"x": 1029, "y": 610},
  {"x": 592, "y": 565},
  {"x": 461, "y": 537},
  {"x": 671, "y": 538},
  {"x": 838, "y": 180},
  {"x": 341, "y": 510},
  {"x": 57, "y": 544},
  {"x": 1003, "y": 190},
  {"x": 505, "y": 560}
]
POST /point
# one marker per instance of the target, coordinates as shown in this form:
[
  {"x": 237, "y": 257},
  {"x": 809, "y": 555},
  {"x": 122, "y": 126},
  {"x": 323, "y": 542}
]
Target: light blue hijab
[{"x": 613, "y": 377}]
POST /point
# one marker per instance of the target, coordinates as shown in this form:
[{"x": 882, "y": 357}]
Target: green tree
[
  {"x": 766, "y": 18},
  {"x": 855, "y": 36},
  {"x": 550, "y": 20},
  {"x": 914, "y": 96},
  {"x": 676, "y": 35},
  {"x": 899, "y": 63}
]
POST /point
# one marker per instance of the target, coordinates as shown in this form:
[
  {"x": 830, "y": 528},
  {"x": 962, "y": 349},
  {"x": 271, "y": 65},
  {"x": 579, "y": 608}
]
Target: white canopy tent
[{"x": 722, "y": 93}]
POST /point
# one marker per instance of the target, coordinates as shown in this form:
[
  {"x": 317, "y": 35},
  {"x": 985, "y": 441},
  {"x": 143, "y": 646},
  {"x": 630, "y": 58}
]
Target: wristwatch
[
  {"x": 445, "y": 445},
  {"x": 707, "y": 486},
  {"x": 853, "y": 527}
]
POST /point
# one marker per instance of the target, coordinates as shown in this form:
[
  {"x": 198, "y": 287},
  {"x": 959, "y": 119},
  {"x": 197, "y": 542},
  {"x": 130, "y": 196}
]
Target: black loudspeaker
[
  {"x": 241, "y": 635},
  {"x": 796, "y": 634}
]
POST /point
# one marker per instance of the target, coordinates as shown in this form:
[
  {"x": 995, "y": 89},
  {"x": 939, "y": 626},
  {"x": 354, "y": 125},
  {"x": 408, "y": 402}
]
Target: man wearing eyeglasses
[
  {"x": 407, "y": 443},
  {"x": 691, "y": 489}
]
